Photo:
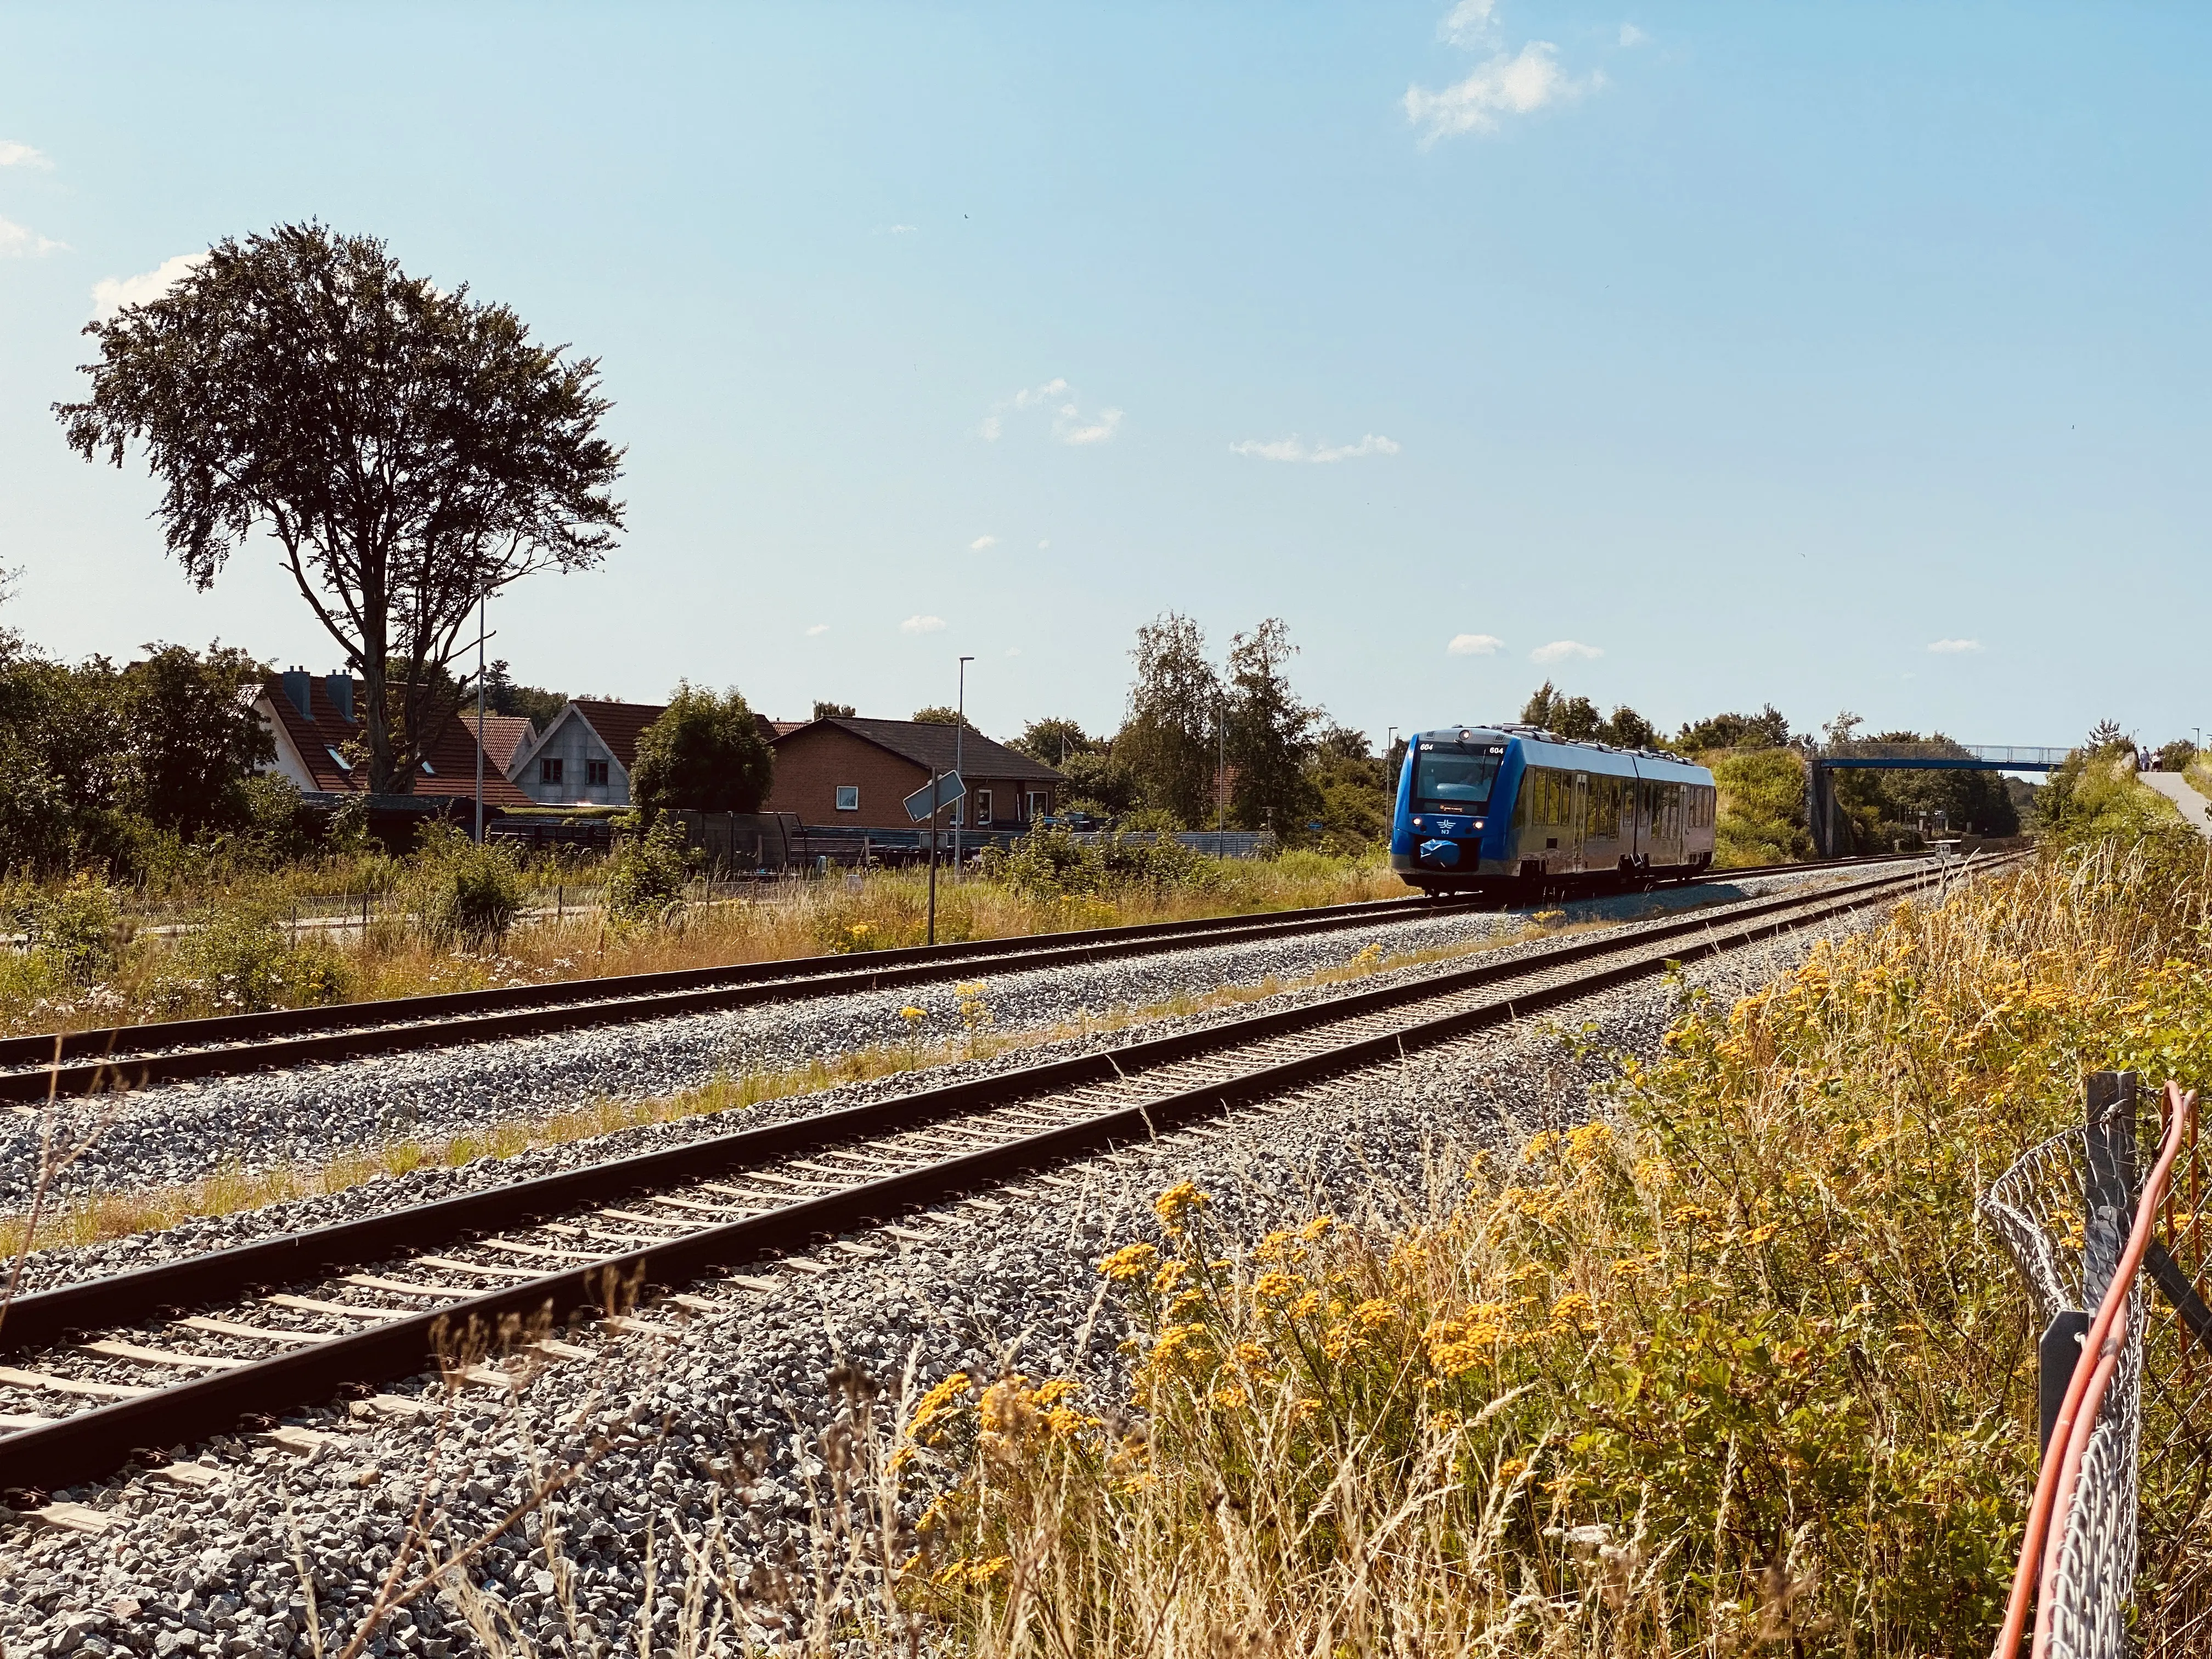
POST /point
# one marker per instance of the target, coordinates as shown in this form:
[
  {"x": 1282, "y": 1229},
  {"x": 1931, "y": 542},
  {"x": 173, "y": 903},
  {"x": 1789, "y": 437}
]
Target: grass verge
[{"x": 1730, "y": 1367}]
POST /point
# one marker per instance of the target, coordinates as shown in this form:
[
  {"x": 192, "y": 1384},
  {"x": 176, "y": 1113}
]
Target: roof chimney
[
  {"x": 295, "y": 681},
  {"x": 339, "y": 688}
]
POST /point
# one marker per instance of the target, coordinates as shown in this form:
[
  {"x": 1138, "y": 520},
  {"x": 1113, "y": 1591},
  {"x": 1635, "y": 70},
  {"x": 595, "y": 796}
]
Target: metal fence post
[{"x": 2109, "y": 1185}]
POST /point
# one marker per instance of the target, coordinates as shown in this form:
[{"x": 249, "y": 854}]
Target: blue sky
[{"x": 1732, "y": 353}]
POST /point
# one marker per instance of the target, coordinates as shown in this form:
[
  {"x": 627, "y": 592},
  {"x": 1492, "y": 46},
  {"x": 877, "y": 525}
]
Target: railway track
[
  {"x": 36, "y": 1069},
  {"x": 177, "y": 1352}
]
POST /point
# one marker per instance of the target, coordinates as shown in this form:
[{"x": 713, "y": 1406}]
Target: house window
[
  {"x": 1037, "y": 799},
  {"x": 548, "y": 770},
  {"x": 848, "y": 797},
  {"x": 595, "y": 774},
  {"x": 426, "y": 770},
  {"x": 983, "y": 806},
  {"x": 344, "y": 765}
]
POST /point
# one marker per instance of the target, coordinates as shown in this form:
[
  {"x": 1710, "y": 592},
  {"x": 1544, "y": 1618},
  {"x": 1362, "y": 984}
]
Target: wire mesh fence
[{"x": 2134, "y": 1570}]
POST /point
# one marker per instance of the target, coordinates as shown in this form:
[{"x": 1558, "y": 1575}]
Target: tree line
[{"x": 1203, "y": 744}]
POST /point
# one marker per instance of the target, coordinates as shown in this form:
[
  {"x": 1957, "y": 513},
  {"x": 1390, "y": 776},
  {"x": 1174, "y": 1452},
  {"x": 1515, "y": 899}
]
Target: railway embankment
[{"x": 738, "y": 1431}]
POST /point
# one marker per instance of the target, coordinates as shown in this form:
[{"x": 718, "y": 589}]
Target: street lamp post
[
  {"x": 959, "y": 727},
  {"x": 481, "y": 596}
]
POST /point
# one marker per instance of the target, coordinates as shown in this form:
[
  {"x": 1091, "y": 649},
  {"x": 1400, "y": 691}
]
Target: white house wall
[{"x": 572, "y": 741}]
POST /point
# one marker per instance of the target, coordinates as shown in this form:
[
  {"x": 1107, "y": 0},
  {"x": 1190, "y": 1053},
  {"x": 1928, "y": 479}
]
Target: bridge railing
[{"x": 2026, "y": 757}]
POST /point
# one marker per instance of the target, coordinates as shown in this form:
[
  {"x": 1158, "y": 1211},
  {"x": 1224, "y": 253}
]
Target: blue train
[{"x": 1513, "y": 809}]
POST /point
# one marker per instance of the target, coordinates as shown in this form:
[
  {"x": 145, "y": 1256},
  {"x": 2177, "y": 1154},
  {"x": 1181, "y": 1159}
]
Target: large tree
[
  {"x": 1169, "y": 743},
  {"x": 1271, "y": 734},
  {"x": 703, "y": 752},
  {"x": 410, "y": 450}
]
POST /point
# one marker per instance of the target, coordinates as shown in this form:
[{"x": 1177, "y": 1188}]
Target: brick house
[
  {"x": 584, "y": 757},
  {"x": 856, "y": 774},
  {"x": 310, "y": 718}
]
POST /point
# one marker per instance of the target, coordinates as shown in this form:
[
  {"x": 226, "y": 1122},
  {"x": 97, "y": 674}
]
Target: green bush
[
  {"x": 2096, "y": 796},
  {"x": 79, "y": 930},
  {"x": 464, "y": 892},
  {"x": 240, "y": 957},
  {"x": 1761, "y": 818},
  {"x": 1051, "y": 863},
  {"x": 646, "y": 876}
]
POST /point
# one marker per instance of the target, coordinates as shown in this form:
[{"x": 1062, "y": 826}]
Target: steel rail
[
  {"x": 53, "y": 1065},
  {"x": 92, "y": 1443}
]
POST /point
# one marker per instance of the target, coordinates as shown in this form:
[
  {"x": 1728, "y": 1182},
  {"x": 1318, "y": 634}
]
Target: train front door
[{"x": 1578, "y": 821}]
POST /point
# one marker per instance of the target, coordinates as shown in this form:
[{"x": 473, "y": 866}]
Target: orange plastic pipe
[{"x": 2094, "y": 1366}]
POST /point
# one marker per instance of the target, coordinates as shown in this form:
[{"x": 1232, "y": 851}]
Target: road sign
[{"x": 948, "y": 789}]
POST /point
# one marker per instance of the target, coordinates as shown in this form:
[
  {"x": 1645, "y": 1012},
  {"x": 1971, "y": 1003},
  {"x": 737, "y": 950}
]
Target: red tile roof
[
  {"x": 321, "y": 733},
  {"x": 618, "y": 724}
]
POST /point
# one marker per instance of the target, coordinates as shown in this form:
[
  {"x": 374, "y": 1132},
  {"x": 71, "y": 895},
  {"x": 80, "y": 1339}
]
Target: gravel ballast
[
  {"x": 180, "y": 1133},
  {"x": 746, "y": 1392}
]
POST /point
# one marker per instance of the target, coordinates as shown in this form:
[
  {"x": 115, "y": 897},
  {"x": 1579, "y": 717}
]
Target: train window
[{"x": 1449, "y": 779}]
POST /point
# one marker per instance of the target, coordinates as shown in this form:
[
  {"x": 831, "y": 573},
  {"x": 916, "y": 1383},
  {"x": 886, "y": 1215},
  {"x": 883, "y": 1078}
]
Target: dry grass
[
  {"x": 151, "y": 978},
  {"x": 1735, "y": 1369}
]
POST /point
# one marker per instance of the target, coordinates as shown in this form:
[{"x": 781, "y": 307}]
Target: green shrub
[
  {"x": 78, "y": 929},
  {"x": 240, "y": 957},
  {"x": 646, "y": 876},
  {"x": 1051, "y": 863},
  {"x": 2097, "y": 796},
  {"x": 1761, "y": 818},
  {"x": 464, "y": 892}
]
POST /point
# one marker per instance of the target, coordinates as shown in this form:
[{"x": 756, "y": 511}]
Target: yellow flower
[
  {"x": 1313, "y": 1229},
  {"x": 1129, "y": 1263},
  {"x": 1573, "y": 1309},
  {"x": 1179, "y": 1200},
  {"x": 1274, "y": 1286}
]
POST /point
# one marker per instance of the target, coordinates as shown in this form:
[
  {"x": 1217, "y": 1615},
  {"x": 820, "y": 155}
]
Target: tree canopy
[
  {"x": 410, "y": 448},
  {"x": 1767, "y": 729},
  {"x": 1167, "y": 744},
  {"x": 1578, "y": 717},
  {"x": 703, "y": 752}
]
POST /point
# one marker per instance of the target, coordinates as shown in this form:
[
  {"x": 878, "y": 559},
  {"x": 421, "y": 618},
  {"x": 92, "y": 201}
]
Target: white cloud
[
  {"x": 110, "y": 294},
  {"x": 1632, "y": 36},
  {"x": 1044, "y": 545},
  {"x": 818, "y": 628},
  {"x": 16, "y": 240},
  {"x": 1014, "y": 651},
  {"x": 17, "y": 155},
  {"x": 1563, "y": 650},
  {"x": 1953, "y": 647},
  {"x": 1471, "y": 23},
  {"x": 1294, "y": 448},
  {"x": 1069, "y": 428},
  {"x": 1475, "y": 645},
  {"x": 902, "y": 230},
  {"x": 922, "y": 625},
  {"x": 1070, "y": 425},
  {"x": 982, "y": 542},
  {"x": 1517, "y": 83}
]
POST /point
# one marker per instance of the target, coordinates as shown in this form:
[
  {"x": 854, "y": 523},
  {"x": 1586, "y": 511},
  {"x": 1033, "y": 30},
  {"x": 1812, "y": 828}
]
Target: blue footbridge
[{"x": 1826, "y": 818}]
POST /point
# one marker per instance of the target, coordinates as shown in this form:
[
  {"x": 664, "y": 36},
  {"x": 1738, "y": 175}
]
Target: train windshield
[{"x": 1447, "y": 779}]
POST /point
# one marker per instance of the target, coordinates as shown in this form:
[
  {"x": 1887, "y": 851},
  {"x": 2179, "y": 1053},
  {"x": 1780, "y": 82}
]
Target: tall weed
[{"x": 1732, "y": 1365}]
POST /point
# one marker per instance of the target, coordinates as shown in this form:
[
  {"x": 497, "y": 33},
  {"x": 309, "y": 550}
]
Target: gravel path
[
  {"x": 750, "y": 1393},
  {"x": 184, "y": 1132}
]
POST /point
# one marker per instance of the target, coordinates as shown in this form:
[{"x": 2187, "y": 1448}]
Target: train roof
[{"x": 1577, "y": 751}]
